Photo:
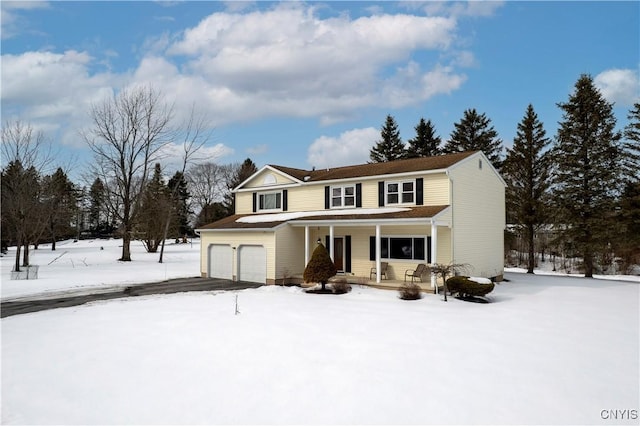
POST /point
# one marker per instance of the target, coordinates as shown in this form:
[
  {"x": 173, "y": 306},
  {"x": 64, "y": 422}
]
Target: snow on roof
[{"x": 282, "y": 217}]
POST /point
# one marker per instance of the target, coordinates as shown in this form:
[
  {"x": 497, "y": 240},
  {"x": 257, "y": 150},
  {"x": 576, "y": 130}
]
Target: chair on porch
[
  {"x": 383, "y": 271},
  {"x": 420, "y": 270}
]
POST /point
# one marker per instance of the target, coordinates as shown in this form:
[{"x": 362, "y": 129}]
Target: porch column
[
  {"x": 331, "y": 242},
  {"x": 434, "y": 253},
  {"x": 378, "y": 250},
  {"x": 306, "y": 245}
]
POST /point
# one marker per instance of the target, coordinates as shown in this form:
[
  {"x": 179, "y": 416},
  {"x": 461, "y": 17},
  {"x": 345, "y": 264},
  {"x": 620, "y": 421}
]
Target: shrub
[
  {"x": 465, "y": 287},
  {"x": 341, "y": 286},
  {"x": 410, "y": 291},
  {"x": 320, "y": 268}
]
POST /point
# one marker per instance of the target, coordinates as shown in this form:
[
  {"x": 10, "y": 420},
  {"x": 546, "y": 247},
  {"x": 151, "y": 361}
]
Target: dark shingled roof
[
  {"x": 437, "y": 162},
  {"x": 413, "y": 213}
]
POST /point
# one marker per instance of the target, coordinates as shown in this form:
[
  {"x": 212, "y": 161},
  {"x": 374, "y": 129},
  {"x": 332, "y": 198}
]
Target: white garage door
[
  {"x": 220, "y": 261},
  {"x": 252, "y": 264}
]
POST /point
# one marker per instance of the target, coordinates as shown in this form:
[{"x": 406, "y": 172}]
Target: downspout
[{"x": 453, "y": 228}]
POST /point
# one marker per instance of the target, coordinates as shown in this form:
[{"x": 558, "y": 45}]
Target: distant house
[{"x": 440, "y": 209}]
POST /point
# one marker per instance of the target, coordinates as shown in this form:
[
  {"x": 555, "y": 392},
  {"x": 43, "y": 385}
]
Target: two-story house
[{"x": 442, "y": 209}]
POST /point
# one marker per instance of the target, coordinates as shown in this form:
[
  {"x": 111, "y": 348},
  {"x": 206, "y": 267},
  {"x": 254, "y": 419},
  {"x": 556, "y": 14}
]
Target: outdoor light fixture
[{"x": 319, "y": 241}]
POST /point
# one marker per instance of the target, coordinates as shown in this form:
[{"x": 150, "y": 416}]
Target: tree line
[
  {"x": 582, "y": 187},
  {"x": 577, "y": 194}
]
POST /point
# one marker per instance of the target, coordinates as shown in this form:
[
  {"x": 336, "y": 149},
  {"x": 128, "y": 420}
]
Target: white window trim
[
  {"x": 262, "y": 194},
  {"x": 342, "y": 196},
  {"x": 400, "y": 192},
  {"x": 426, "y": 252}
]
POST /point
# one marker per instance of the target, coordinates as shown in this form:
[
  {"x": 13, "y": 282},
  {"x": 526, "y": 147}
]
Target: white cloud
[
  {"x": 292, "y": 63},
  {"x": 172, "y": 155},
  {"x": 478, "y": 8},
  {"x": 621, "y": 86},
  {"x": 351, "y": 147},
  {"x": 12, "y": 21},
  {"x": 258, "y": 149}
]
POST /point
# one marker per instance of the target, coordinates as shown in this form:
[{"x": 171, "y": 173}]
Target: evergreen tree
[
  {"x": 628, "y": 246},
  {"x": 390, "y": 146},
  {"x": 98, "y": 216},
  {"x": 527, "y": 171},
  {"x": 320, "y": 267},
  {"x": 426, "y": 143},
  {"x": 60, "y": 197},
  {"x": 178, "y": 188},
  {"x": 474, "y": 132},
  {"x": 588, "y": 164},
  {"x": 152, "y": 215},
  {"x": 631, "y": 146},
  {"x": 211, "y": 213},
  {"x": 242, "y": 173}
]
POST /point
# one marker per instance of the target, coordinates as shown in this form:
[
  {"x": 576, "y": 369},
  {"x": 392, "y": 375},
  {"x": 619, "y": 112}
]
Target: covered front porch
[{"x": 360, "y": 246}]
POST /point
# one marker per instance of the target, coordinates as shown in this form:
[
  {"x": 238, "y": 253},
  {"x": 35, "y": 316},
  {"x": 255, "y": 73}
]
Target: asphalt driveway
[{"x": 22, "y": 306}]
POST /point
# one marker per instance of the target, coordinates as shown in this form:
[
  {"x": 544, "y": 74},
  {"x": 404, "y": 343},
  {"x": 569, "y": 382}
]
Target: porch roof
[{"x": 273, "y": 220}]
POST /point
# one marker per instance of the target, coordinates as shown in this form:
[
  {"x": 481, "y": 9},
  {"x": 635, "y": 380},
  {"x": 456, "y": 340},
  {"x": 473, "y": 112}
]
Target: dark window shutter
[
  {"x": 419, "y": 191},
  {"x": 327, "y": 198},
  {"x": 347, "y": 253},
  {"x": 358, "y": 195},
  {"x": 372, "y": 248},
  {"x": 255, "y": 202},
  {"x": 380, "y": 194},
  {"x": 326, "y": 244},
  {"x": 429, "y": 250},
  {"x": 284, "y": 200}
]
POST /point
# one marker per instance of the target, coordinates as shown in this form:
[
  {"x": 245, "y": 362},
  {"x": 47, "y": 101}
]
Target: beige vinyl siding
[
  {"x": 244, "y": 202},
  {"x": 290, "y": 251},
  {"x": 306, "y": 198},
  {"x": 478, "y": 214},
  {"x": 436, "y": 190},
  {"x": 236, "y": 239}
]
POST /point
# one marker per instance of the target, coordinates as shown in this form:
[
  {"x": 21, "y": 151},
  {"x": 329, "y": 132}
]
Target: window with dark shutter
[
  {"x": 419, "y": 191},
  {"x": 358, "y": 195},
  {"x": 285, "y": 202},
  {"x": 380, "y": 194}
]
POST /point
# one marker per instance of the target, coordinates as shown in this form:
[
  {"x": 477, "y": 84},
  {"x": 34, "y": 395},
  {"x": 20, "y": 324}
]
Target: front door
[{"x": 338, "y": 253}]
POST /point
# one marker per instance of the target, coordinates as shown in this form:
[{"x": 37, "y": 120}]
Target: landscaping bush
[
  {"x": 341, "y": 286},
  {"x": 410, "y": 291},
  {"x": 465, "y": 287},
  {"x": 320, "y": 268}
]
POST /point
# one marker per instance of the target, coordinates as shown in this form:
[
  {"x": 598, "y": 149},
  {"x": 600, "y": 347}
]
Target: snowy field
[
  {"x": 547, "y": 350},
  {"x": 90, "y": 265}
]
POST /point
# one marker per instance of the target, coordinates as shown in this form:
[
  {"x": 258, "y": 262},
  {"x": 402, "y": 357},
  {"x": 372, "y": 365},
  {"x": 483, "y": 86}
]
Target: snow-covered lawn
[
  {"x": 88, "y": 265},
  {"x": 548, "y": 350}
]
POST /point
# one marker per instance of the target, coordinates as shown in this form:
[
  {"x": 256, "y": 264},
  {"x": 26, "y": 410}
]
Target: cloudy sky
[{"x": 306, "y": 84}]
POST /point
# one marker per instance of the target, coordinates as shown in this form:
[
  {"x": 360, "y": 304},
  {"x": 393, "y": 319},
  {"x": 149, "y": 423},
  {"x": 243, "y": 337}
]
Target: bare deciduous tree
[{"x": 129, "y": 129}]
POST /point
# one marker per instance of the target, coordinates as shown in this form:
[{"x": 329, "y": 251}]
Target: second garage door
[{"x": 252, "y": 264}]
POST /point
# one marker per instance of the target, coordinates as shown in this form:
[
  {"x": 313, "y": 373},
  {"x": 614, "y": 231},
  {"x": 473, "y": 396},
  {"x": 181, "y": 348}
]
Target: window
[
  {"x": 270, "y": 201},
  {"x": 403, "y": 248},
  {"x": 343, "y": 196},
  {"x": 401, "y": 192}
]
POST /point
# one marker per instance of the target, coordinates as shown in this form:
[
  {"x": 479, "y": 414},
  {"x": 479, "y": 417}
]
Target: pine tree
[
  {"x": 629, "y": 213},
  {"x": 588, "y": 165},
  {"x": 98, "y": 216},
  {"x": 426, "y": 143},
  {"x": 390, "y": 146},
  {"x": 152, "y": 215},
  {"x": 527, "y": 171},
  {"x": 178, "y": 188},
  {"x": 242, "y": 173},
  {"x": 320, "y": 267},
  {"x": 631, "y": 146},
  {"x": 474, "y": 132},
  {"x": 60, "y": 199}
]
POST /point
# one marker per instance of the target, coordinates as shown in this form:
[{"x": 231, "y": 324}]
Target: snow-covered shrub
[
  {"x": 410, "y": 291},
  {"x": 464, "y": 286}
]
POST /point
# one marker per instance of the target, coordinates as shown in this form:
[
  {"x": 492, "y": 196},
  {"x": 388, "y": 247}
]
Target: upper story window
[
  {"x": 270, "y": 201},
  {"x": 400, "y": 192},
  {"x": 343, "y": 196}
]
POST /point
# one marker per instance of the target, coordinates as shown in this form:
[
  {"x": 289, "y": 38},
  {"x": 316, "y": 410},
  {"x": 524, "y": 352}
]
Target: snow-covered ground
[
  {"x": 92, "y": 265},
  {"x": 547, "y": 350}
]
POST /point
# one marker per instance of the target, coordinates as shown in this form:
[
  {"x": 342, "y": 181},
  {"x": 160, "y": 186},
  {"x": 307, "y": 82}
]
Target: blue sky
[{"x": 306, "y": 84}]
